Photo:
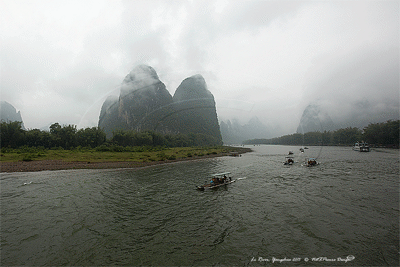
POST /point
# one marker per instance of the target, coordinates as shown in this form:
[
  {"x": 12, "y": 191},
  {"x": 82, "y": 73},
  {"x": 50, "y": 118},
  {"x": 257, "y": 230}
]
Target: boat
[
  {"x": 361, "y": 147},
  {"x": 217, "y": 180},
  {"x": 311, "y": 162},
  {"x": 288, "y": 160},
  {"x": 301, "y": 149},
  {"x": 290, "y": 153}
]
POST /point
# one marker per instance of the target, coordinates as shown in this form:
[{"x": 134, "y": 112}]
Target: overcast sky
[{"x": 270, "y": 59}]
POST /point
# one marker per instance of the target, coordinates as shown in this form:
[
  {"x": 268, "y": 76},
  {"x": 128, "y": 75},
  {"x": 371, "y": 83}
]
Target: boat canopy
[{"x": 221, "y": 174}]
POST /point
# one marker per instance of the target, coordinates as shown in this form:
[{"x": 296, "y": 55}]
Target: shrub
[
  {"x": 27, "y": 157},
  {"x": 162, "y": 155},
  {"x": 103, "y": 148}
]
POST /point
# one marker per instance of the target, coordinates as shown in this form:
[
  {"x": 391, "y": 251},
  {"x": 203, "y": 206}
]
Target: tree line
[
  {"x": 12, "y": 135},
  {"x": 379, "y": 134}
]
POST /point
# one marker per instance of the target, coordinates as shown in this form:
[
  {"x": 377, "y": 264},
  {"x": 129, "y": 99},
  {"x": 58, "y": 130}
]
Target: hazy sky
[{"x": 61, "y": 59}]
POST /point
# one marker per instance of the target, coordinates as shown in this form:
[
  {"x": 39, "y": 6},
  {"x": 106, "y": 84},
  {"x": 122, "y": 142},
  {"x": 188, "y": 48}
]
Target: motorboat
[
  {"x": 311, "y": 162},
  {"x": 217, "y": 180},
  {"x": 361, "y": 147},
  {"x": 289, "y": 160}
]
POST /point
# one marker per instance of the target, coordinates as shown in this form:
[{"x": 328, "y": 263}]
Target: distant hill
[
  {"x": 144, "y": 104},
  {"x": 314, "y": 119},
  {"x": 9, "y": 113},
  {"x": 235, "y": 133},
  {"x": 318, "y": 117}
]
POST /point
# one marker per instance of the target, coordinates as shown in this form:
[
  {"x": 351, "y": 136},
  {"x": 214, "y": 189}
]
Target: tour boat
[
  {"x": 217, "y": 180},
  {"x": 361, "y": 146}
]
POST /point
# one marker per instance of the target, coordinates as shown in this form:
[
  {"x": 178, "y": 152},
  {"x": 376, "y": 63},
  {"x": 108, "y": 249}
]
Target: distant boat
[
  {"x": 290, "y": 153},
  {"x": 288, "y": 160},
  {"x": 301, "y": 149},
  {"x": 361, "y": 147},
  {"x": 311, "y": 162}
]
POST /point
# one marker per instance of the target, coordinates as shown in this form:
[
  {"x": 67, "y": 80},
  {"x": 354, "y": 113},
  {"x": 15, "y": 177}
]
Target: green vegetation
[
  {"x": 379, "y": 134},
  {"x": 115, "y": 153},
  {"x": 90, "y": 145},
  {"x": 68, "y": 137}
]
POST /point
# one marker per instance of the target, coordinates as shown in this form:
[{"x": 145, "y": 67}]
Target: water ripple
[{"x": 154, "y": 216}]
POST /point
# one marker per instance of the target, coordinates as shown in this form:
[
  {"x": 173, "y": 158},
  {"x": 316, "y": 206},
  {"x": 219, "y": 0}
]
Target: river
[{"x": 342, "y": 212}]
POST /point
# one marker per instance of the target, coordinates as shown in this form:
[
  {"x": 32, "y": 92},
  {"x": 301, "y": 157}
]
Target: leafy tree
[
  {"x": 346, "y": 136},
  {"x": 90, "y": 137},
  {"x": 386, "y": 133},
  {"x": 37, "y": 138},
  {"x": 11, "y": 134}
]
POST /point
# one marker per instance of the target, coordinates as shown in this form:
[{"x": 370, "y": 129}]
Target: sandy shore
[{"x": 49, "y": 165}]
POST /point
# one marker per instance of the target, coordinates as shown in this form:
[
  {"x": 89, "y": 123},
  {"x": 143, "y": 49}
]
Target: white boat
[
  {"x": 361, "y": 147},
  {"x": 217, "y": 180}
]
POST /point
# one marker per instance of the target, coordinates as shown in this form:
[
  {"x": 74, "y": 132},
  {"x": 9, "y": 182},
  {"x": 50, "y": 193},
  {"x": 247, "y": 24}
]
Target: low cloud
[{"x": 268, "y": 59}]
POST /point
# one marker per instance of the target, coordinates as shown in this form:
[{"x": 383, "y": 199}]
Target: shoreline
[{"x": 54, "y": 165}]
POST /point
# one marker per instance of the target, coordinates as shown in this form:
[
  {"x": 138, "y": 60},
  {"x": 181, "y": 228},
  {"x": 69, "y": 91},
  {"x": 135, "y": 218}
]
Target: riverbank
[{"x": 119, "y": 160}]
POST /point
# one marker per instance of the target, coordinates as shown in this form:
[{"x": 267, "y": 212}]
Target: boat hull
[
  {"x": 361, "y": 149},
  {"x": 204, "y": 187}
]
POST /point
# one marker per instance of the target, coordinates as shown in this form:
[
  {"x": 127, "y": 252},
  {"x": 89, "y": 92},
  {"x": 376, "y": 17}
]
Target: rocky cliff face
[
  {"x": 195, "y": 108},
  {"x": 145, "y": 104},
  {"x": 143, "y": 97},
  {"x": 9, "y": 113}
]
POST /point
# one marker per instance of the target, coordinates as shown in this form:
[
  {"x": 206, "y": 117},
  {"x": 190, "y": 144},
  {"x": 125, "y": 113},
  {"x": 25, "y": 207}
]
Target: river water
[{"x": 343, "y": 212}]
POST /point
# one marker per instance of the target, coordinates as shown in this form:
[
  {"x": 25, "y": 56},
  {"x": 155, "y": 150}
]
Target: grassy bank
[{"x": 126, "y": 154}]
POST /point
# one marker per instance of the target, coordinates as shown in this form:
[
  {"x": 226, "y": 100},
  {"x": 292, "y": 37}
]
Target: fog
[{"x": 59, "y": 60}]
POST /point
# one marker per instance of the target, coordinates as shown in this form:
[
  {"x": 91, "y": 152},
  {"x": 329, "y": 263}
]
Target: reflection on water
[{"x": 348, "y": 205}]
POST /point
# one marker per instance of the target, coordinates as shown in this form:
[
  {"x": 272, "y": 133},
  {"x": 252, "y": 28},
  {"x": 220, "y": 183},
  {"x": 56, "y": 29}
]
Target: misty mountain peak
[
  {"x": 141, "y": 77},
  {"x": 194, "y": 87},
  {"x": 9, "y": 113},
  {"x": 315, "y": 119},
  {"x": 145, "y": 104},
  {"x": 141, "y": 72}
]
